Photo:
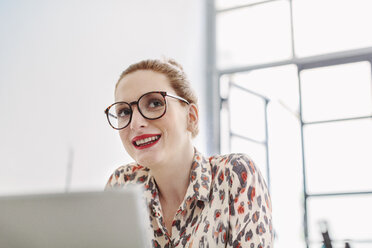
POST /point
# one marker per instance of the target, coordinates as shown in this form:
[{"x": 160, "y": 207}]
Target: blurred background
[{"x": 286, "y": 81}]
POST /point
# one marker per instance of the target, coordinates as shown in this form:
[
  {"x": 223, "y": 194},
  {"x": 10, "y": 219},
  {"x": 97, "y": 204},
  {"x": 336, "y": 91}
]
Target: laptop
[{"x": 82, "y": 219}]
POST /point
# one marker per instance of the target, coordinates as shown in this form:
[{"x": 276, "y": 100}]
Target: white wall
[{"x": 59, "y": 61}]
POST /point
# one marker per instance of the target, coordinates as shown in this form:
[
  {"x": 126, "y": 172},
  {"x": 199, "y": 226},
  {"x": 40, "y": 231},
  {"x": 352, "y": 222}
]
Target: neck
[{"x": 173, "y": 178}]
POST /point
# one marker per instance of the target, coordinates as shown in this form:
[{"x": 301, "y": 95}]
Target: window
[{"x": 295, "y": 86}]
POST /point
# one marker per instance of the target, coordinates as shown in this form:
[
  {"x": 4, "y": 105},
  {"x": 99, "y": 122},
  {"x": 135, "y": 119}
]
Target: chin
[{"x": 148, "y": 159}]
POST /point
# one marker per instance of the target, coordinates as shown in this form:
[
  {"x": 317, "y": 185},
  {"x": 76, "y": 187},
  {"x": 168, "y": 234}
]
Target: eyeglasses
[{"x": 151, "y": 105}]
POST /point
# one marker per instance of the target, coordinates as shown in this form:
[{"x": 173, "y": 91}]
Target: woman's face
[{"x": 172, "y": 128}]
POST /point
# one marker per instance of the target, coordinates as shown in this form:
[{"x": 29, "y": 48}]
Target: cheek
[
  {"x": 177, "y": 123},
  {"x": 182, "y": 122},
  {"x": 124, "y": 138}
]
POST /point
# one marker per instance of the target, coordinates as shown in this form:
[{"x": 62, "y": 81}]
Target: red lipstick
[{"x": 145, "y": 141}]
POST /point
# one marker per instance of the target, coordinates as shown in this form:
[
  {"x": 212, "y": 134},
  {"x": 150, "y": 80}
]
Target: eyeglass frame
[{"x": 163, "y": 93}]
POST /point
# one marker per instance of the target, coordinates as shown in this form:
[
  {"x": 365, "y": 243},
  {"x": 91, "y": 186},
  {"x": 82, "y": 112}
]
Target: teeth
[{"x": 147, "y": 140}]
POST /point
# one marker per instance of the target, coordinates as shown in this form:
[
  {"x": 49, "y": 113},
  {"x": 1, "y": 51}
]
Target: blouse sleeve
[
  {"x": 249, "y": 205},
  {"x": 114, "y": 180},
  {"x": 125, "y": 175},
  {"x": 110, "y": 183}
]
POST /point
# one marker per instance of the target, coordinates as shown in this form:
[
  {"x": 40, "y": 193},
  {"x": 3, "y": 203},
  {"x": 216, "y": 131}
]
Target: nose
[{"x": 138, "y": 121}]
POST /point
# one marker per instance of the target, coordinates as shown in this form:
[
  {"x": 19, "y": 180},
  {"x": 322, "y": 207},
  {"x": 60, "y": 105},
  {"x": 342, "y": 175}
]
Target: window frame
[{"x": 214, "y": 76}]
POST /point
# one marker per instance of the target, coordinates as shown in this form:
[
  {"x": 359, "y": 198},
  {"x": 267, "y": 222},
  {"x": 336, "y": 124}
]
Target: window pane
[
  {"x": 338, "y": 156},
  {"x": 224, "y": 4},
  {"x": 286, "y": 177},
  {"x": 256, "y": 152},
  {"x": 324, "y": 26},
  {"x": 254, "y": 34},
  {"x": 334, "y": 92},
  {"x": 348, "y": 217},
  {"x": 224, "y": 129},
  {"x": 279, "y": 84},
  {"x": 247, "y": 114}
]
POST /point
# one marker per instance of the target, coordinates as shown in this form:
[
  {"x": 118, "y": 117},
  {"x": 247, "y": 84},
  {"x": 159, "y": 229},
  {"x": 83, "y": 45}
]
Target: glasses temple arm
[
  {"x": 178, "y": 97},
  {"x": 109, "y": 114}
]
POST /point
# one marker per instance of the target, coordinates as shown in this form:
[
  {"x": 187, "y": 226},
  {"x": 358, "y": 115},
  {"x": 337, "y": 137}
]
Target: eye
[
  {"x": 123, "y": 112},
  {"x": 155, "y": 103}
]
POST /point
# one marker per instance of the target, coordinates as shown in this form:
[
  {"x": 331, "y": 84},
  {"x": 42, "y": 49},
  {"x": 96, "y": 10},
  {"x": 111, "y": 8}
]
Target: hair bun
[{"x": 173, "y": 63}]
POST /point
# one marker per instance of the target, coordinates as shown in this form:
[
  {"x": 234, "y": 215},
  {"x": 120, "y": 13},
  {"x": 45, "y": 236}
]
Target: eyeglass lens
[{"x": 151, "y": 106}]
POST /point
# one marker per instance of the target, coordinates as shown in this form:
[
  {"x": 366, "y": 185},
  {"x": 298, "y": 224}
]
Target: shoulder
[
  {"x": 238, "y": 169},
  {"x": 234, "y": 162},
  {"x": 248, "y": 199},
  {"x": 132, "y": 173},
  {"x": 230, "y": 158}
]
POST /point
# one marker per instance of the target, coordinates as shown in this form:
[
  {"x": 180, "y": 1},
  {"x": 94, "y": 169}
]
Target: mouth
[{"x": 145, "y": 141}]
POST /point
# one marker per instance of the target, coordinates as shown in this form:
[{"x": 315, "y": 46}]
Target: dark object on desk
[
  {"x": 324, "y": 230},
  {"x": 326, "y": 239},
  {"x": 327, "y": 243}
]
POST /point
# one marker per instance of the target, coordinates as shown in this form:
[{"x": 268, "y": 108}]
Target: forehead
[{"x": 137, "y": 83}]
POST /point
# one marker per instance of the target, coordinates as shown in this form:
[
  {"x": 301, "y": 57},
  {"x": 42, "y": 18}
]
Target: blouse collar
[{"x": 199, "y": 186}]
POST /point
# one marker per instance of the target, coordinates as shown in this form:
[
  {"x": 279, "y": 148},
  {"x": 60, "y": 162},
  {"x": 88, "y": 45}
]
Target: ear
[{"x": 192, "y": 117}]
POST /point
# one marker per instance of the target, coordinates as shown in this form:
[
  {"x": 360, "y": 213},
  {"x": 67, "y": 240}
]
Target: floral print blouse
[{"x": 226, "y": 204}]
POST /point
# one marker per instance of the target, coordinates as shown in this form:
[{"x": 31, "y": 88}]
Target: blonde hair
[{"x": 175, "y": 74}]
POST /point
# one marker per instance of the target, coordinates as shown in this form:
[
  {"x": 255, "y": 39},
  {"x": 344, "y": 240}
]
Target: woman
[{"x": 193, "y": 201}]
